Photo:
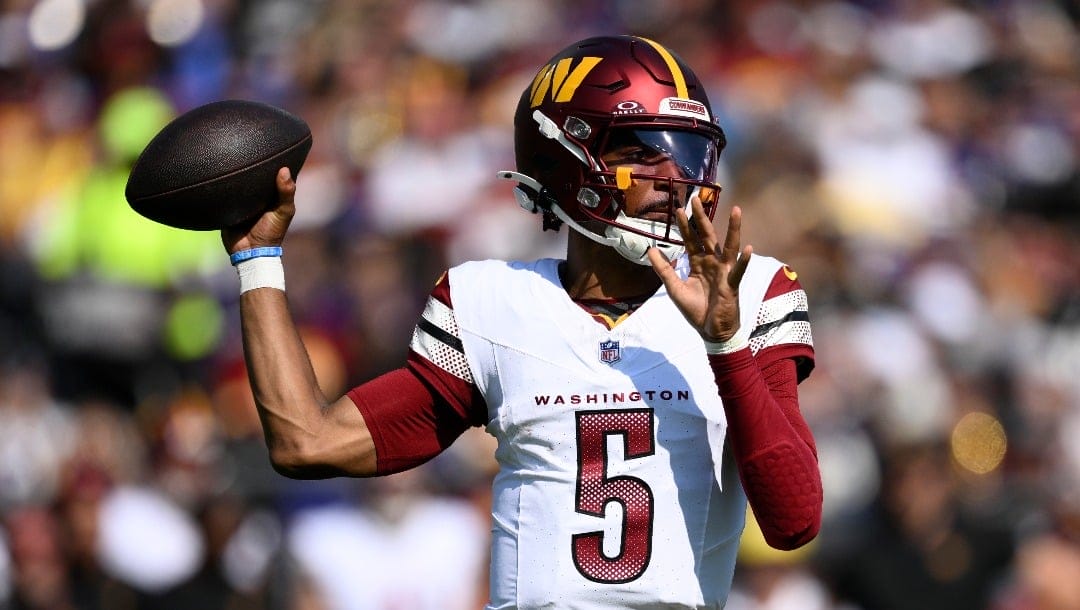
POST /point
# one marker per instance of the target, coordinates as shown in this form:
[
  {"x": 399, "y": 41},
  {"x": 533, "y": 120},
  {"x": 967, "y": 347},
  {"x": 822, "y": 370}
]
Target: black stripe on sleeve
[
  {"x": 794, "y": 316},
  {"x": 425, "y": 325}
]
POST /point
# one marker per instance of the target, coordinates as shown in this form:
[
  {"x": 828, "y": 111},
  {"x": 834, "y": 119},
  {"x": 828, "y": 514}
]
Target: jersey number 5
[{"x": 595, "y": 490}]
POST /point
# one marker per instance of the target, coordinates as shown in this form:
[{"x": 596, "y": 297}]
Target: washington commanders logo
[
  {"x": 610, "y": 352},
  {"x": 560, "y": 79}
]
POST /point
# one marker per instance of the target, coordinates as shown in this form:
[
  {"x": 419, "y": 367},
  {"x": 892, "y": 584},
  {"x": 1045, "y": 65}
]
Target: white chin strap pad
[
  {"x": 634, "y": 247},
  {"x": 630, "y": 245}
]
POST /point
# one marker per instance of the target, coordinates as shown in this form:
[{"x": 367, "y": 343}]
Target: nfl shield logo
[{"x": 610, "y": 352}]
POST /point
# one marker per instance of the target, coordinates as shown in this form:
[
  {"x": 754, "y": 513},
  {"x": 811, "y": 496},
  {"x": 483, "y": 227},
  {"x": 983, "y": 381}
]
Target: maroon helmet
[{"x": 590, "y": 95}]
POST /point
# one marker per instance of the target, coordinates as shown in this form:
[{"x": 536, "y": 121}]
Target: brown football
[{"x": 215, "y": 165}]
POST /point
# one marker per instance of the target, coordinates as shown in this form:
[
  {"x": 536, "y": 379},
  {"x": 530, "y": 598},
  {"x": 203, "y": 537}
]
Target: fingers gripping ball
[{"x": 214, "y": 166}]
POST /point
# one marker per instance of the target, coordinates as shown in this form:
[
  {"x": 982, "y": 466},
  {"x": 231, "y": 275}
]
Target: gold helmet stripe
[{"x": 676, "y": 73}]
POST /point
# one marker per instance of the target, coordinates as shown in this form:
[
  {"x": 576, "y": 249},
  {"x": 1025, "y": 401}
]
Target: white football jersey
[{"x": 613, "y": 491}]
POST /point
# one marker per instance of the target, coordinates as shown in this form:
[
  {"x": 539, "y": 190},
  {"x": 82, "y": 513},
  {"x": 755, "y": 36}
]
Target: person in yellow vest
[{"x": 121, "y": 294}]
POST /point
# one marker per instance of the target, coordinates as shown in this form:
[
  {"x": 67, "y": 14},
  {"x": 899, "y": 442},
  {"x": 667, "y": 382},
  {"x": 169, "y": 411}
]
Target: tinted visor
[{"x": 695, "y": 154}]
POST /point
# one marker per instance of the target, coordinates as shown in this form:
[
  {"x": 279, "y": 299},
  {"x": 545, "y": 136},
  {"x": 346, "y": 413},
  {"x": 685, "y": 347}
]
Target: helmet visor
[{"x": 695, "y": 154}]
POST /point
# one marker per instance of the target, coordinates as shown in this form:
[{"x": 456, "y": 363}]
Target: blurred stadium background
[{"x": 916, "y": 161}]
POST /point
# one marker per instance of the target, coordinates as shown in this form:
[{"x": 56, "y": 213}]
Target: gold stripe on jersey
[{"x": 608, "y": 321}]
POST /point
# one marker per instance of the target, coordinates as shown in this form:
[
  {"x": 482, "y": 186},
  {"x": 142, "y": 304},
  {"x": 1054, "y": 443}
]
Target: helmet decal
[
  {"x": 629, "y": 107},
  {"x": 676, "y": 72},
  {"x": 683, "y": 107},
  {"x": 562, "y": 81}
]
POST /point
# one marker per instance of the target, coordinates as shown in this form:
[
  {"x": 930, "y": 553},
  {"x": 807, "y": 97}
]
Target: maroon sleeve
[
  {"x": 772, "y": 445},
  {"x": 409, "y": 422},
  {"x": 417, "y": 411}
]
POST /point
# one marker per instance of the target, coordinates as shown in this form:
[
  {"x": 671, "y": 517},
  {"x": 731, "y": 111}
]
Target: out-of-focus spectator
[
  {"x": 434, "y": 172},
  {"x": 108, "y": 274},
  {"x": 36, "y": 435},
  {"x": 129, "y": 518},
  {"x": 941, "y": 554},
  {"x": 5, "y": 571},
  {"x": 775, "y": 580},
  {"x": 1045, "y": 577},
  {"x": 39, "y": 564},
  {"x": 404, "y": 548}
]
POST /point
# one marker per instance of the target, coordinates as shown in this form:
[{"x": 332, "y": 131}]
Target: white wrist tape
[
  {"x": 732, "y": 345},
  {"x": 261, "y": 272}
]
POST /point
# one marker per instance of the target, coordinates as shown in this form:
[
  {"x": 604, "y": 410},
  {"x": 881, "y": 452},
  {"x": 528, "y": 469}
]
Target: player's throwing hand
[{"x": 269, "y": 228}]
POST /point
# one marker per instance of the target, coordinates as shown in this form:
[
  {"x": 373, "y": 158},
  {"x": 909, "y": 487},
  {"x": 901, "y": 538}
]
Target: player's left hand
[{"x": 709, "y": 296}]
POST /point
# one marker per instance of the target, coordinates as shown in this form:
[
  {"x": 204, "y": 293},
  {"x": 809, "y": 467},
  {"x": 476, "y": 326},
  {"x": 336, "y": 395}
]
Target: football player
[{"x": 641, "y": 390}]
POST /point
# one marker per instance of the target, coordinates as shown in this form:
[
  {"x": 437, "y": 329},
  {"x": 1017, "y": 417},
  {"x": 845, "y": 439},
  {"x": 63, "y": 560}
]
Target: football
[{"x": 214, "y": 166}]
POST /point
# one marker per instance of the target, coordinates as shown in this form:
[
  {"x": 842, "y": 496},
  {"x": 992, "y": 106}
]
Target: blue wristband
[{"x": 238, "y": 257}]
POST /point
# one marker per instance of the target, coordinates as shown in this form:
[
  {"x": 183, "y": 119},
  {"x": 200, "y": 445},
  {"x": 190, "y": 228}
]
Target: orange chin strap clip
[{"x": 622, "y": 178}]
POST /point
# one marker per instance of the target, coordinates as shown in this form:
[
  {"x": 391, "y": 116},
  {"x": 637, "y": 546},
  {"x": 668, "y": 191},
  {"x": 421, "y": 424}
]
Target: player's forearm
[
  {"x": 290, "y": 403},
  {"x": 773, "y": 449}
]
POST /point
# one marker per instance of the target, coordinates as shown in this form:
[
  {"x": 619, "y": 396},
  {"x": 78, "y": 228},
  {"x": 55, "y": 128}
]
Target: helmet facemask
[{"x": 666, "y": 167}]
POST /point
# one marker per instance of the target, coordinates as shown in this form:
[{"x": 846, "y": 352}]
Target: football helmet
[{"x": 602, "y": 93}]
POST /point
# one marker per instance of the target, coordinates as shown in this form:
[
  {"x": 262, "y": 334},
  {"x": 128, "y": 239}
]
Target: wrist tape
[
  {"x": 732, "y": 345},
  {"x": 259, "y": 268}
]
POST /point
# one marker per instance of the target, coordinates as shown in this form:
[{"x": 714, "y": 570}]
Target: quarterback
[{"x": 642, "y": 390}]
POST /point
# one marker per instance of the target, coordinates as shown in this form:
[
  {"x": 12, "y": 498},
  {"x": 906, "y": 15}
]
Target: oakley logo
[
  {"x": 628, "y": 107},
  {"x": 560, "y": 80}
]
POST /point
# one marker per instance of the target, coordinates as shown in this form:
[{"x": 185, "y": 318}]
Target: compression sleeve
[
  {"x": 773, "y": 446},
  {"x": 409, "y": 421}
]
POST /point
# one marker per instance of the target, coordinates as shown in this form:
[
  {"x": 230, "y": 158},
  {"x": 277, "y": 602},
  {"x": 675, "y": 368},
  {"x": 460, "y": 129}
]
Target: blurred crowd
[{"x": 917, "y": 162}]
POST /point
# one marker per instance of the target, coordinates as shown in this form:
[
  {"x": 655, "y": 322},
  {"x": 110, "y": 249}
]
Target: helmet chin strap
[
  {"x": 634, "y": 247},
  {"x": 630, "y": 245}
]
